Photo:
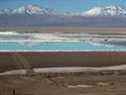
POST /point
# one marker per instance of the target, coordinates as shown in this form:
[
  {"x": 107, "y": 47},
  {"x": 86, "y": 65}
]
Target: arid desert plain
[{"x": 66, "y": 73}]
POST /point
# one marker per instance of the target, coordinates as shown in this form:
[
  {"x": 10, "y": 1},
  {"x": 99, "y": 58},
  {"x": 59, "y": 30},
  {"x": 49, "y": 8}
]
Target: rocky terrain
[{"x": 86, "y": 83}]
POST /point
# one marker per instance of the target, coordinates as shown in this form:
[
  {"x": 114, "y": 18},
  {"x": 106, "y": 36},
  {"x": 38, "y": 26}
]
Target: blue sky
[{"x": 62, "y": 5}]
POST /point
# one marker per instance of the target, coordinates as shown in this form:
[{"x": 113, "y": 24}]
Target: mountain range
[
  {"x": 33, "y": 15},
  {"x": 29, "y": 9},
  {"x": 96, "y": 11}
]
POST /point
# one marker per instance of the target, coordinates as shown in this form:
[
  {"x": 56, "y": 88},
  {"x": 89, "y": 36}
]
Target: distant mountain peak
[
  {"x": 29, "y": 9},
  {"x": 106, "y": 11}
]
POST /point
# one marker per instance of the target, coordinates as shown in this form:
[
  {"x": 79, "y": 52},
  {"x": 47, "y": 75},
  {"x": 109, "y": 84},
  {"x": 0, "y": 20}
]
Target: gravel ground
[{"x": 85, "y": 83}]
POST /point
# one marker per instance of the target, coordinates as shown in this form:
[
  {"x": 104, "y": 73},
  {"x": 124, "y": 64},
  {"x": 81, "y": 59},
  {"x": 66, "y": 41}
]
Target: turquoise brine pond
[
  {"x": 12, "y": 41},
  {"x": 57, "y": 46}
]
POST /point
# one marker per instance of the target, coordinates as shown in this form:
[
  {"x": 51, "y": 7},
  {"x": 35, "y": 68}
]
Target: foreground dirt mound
[{"x": 86, "y": 83}]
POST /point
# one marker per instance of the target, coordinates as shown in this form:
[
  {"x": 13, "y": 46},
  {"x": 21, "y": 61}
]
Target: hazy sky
[{"x": 62, "y": 5}]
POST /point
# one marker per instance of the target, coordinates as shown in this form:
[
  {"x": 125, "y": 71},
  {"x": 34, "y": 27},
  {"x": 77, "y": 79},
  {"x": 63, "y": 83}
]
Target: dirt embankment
[{"x": 20, "y": 60}]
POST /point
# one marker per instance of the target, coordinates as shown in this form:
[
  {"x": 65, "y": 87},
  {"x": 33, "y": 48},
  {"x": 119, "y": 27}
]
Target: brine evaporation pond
[{"x": 57, "y": 41}]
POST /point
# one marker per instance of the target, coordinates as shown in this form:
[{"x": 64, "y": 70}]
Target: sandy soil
[{"x": 86, "y": 83}]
